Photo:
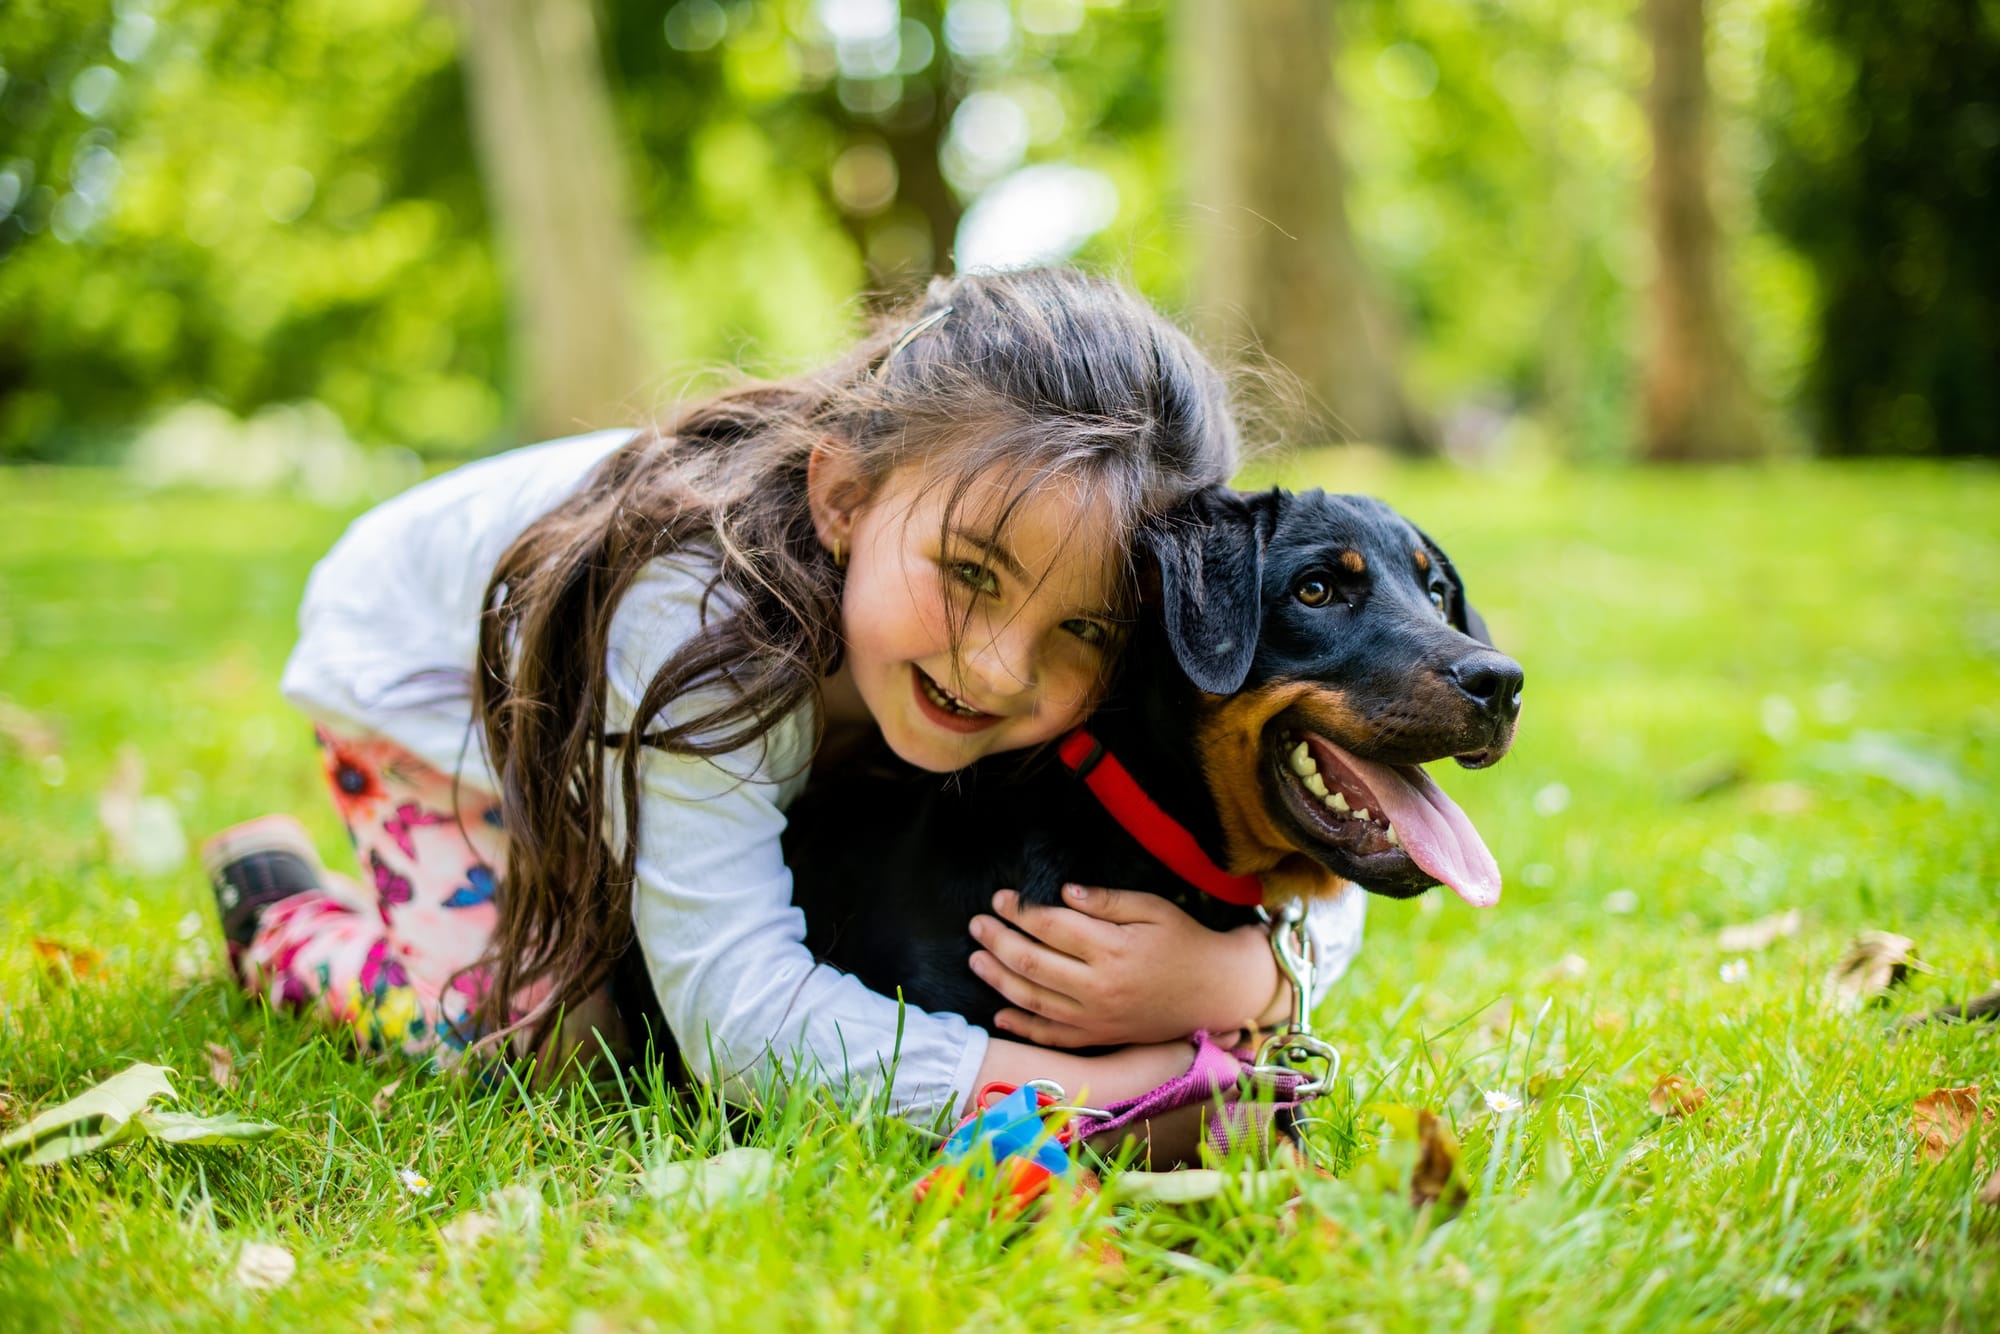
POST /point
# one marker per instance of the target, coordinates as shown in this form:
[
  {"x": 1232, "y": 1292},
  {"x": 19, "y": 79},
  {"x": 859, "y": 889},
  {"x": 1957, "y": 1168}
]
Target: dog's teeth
[
  {"x": 1338, "y": 801},
  {"x": 1316, "y": 785},
  {"x": 1302, "y": 761},
  {"x": 1395, "y": 839},
  {"x": 1362, "y": 814}
]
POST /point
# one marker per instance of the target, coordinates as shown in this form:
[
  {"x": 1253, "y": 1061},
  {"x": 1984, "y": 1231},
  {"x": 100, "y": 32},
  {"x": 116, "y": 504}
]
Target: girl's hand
[{"x": 1117, "y": 967}]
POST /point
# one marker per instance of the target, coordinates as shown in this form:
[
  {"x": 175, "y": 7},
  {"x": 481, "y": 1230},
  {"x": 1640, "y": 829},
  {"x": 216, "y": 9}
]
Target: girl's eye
[
  {"x": 1090, "y": 632},
  {"x": 1437, "y": 600},
  {"x": 976, "y": 577},
  {"x": 1314, "y": 591}
]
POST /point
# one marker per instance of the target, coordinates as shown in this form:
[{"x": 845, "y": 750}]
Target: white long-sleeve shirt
[{"x": 388, "y": 643}]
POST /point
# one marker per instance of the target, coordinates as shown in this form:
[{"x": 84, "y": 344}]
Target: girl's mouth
[{"x": 946, "y": 709}]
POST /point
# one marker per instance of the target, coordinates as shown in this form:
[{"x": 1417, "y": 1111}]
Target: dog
[{"x": 1301, "y": 655}]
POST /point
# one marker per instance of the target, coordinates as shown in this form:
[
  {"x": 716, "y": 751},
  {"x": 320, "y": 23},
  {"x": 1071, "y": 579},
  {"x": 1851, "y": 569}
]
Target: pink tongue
[{"x": 1434, "y": 831}]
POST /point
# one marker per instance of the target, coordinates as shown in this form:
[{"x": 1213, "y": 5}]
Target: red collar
[{"x": 1141, "y": 817}]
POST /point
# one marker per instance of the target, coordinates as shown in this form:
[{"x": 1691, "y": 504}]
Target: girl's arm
[
  {"x": 1091, "y": 1080},
  {"x": 1116, "y": 967}
]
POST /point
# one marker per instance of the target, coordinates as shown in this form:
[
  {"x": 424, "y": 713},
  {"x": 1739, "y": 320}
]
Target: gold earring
[{"x": 839, "y": 554}]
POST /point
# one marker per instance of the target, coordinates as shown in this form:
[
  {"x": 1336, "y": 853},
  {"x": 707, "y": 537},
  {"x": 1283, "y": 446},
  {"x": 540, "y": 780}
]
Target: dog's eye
[
  {"x": 1437, "y": 600},
  {"x": 1314, "y": 591}
]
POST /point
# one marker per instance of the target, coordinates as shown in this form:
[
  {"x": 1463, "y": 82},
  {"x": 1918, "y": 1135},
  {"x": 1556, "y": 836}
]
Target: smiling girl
[{"x": 565, "y": 695}]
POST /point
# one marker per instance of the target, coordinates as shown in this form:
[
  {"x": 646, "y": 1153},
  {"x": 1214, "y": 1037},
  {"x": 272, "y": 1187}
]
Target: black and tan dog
[{"x": 1307, "y": 652}]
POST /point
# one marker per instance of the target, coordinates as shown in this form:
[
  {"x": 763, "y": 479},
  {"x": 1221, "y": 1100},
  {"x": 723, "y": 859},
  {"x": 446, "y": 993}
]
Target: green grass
[{"x": 1703, "y": 651}]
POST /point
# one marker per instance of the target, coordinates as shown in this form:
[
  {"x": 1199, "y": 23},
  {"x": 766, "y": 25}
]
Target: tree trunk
[
  {"x": 1698, "y": 403},
  {"x": 549, "y": 156},
  {"x": 1276, "y": 258}
]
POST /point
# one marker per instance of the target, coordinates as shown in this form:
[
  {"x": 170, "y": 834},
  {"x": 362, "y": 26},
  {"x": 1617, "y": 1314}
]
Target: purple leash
[{"x": 1275, "y": 1076}]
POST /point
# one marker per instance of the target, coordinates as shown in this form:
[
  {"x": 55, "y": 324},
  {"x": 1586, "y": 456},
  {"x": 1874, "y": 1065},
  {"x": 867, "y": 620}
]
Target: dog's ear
[
  {"x": 1210, "y": 555},
  {"x": 1464, "y": 617}
]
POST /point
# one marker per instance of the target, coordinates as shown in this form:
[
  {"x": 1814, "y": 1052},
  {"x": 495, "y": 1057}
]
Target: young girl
[{"x": 565, "y": 694}]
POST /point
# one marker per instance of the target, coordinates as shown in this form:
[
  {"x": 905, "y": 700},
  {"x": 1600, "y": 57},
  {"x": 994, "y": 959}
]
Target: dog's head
[{"x": 1335, "y": 652}]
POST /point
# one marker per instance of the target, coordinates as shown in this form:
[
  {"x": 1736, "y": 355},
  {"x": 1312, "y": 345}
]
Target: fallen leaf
[
  {"x": 1942, "y": 1117},
  {"x": 516, "y": 1209},
  {"x": 1760, "y": 934},
  {"x": 183, "y": 1128},
  {"x": 261, "y": 1266},
  {"x": 1674, "y": 1096},
  {"x": 1876, "y": 961},
  {"x": 221, "y": 1065},
  {"x": 67, "y": 961},
  {"x": 1990, "y": 1192},
  {"x": 731, "y": 1173},
  {"x": 36, "y": 738},
  {"x": 383, "y": 1095},
  {"x": 1436, "y": 1178},
  {"x": 101, "y": 1115},
  {"x": 116, "y": 1110}
]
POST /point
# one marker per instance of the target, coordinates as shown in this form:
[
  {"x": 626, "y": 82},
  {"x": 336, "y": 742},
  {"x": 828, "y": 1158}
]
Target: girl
[{"x": 594, "y": 672}]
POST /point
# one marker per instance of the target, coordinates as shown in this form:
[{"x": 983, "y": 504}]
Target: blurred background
[{"x": 315, "y": 243}]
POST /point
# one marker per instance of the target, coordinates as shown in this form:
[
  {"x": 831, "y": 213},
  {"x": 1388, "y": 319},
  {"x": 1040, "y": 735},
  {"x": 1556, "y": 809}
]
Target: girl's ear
[{"x": 834, "y": 491}]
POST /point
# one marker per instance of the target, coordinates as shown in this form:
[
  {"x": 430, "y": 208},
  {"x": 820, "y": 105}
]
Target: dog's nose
[{"x": 1490, "y": 680}]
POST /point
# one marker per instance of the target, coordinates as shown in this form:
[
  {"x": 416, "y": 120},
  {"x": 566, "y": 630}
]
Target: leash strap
[{"x": 1157, "y": 832}]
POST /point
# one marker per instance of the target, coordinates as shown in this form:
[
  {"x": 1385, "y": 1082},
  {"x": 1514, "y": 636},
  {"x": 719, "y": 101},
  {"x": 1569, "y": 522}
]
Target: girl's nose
[{"x": 1003, "y": 667}]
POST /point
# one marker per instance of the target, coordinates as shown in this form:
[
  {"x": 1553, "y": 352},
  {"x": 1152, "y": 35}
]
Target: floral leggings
[{"x": 390, "y": 957}]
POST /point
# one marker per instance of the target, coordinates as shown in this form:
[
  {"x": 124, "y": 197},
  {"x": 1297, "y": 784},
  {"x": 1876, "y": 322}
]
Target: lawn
[{"x": 1748, "y": 692}]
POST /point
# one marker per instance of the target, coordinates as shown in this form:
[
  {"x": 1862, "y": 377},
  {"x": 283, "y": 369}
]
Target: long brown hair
[{"x": 1047, "y": 373}]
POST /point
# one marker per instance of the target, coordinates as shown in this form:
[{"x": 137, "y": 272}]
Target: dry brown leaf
[
  {"x": 1760, "y": 934},
  {"x": 262, "y": 1266},
  {"x": 1876, "y": 961},
  {"x": 35, "y": 737},
  {"x": 1990, "y": 1192},
  {"x": 1436, "y": 1179},
  {"x": 1942, "y": 1117},
  {"x": 67, "y": 961},
  {"x": 221, "y": 1065},
  {"x": 383, "y": 1096},
  {"x": 1675, "y": 1096}
]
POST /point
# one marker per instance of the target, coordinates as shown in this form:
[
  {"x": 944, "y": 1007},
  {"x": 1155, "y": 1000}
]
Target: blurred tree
[
  {"x": 1698, "y": 403},
  {"x": 1274, "y": 248},
  {"x": 555, "y": 174},
  {"x": 1886, "y": 175}
]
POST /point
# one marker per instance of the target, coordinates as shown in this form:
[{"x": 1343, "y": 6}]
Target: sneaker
[{"x": 254, "y": 865}]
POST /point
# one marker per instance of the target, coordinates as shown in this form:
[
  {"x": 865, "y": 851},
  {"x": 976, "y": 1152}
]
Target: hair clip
[{"x": 911, "y": 334}]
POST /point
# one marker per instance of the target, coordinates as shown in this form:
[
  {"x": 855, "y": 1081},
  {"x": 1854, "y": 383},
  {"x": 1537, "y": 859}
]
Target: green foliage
[
  {"x": 264, "y": 203},
  {"x": 1696, "y": 751},
  {"x": 249, "y": 203},
  {"x": 1887, "y": 178}
]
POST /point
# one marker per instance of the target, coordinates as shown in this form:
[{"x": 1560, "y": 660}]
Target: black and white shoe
[{"x": 254, "y": 865}]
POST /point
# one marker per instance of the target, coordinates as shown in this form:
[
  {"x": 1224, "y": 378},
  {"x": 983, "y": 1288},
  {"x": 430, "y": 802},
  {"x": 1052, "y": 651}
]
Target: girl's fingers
[
  {"x": 1075, "y": 934},
  {"x": 1021, "y": 990},
  {"x": 1031, "y": 1027},
  {"x": 1118, "y": 906}
]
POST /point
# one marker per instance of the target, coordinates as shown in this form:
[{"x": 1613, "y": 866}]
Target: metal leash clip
[{"x": 1293, "y": 1050}]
